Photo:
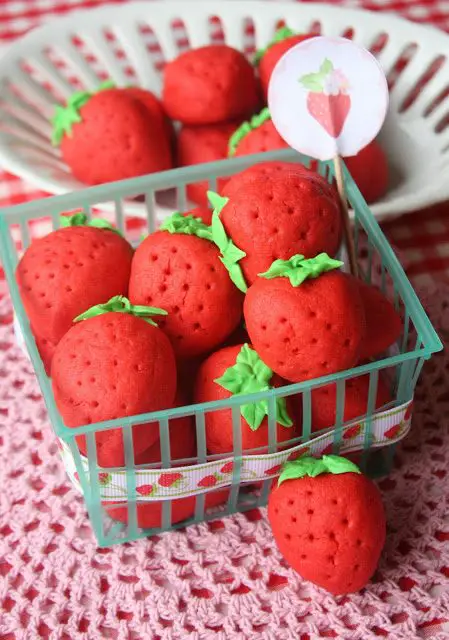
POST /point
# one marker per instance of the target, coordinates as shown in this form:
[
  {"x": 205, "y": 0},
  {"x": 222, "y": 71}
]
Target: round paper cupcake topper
[{"x": 328, "y": 97}]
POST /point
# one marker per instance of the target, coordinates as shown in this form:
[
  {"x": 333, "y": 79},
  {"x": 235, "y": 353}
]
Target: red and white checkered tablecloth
[{"x": 422, "y": 240}]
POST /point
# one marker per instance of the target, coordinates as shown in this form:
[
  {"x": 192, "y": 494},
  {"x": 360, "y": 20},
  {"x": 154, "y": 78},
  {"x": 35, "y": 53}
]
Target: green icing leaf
[
  {"x": 255, "y": 413},
  {"x": 281, "y": 34},
  {"x": 245, "y": 128},
  {"x": 80, "y": 220},
  {"x": 217, "y": 201},
  {"x": 120, "y": 304},
  {"x": 312, "y": 467},
  {"x": 298, "y": 269},
  {"x": 66, "y": 116},
  {"x": 230, "y": 253},
  {"x": 76, "y": 220},
  {"x": 251, "y": 375},
  {"x": 189, "y": 225},
  {"x": 337, "y": 464},
  {"x": 282, "y": 414}
]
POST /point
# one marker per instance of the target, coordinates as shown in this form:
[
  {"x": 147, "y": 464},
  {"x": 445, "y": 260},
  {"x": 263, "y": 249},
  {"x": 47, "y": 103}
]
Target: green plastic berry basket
[{"x": 141, "y": 500}]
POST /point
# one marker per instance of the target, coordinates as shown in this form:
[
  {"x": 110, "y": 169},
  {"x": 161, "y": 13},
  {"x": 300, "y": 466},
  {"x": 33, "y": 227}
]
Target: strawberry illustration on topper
[
  {"x": 328, "y": 101},
  {"x": 328, "y": 98}
]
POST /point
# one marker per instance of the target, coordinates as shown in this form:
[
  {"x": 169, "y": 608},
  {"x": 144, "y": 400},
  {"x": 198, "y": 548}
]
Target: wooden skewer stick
[{"x": 349, "y": 240}]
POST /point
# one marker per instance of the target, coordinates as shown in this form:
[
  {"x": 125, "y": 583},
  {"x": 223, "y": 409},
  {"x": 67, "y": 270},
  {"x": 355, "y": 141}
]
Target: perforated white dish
[{"x": 130, "y": 42}]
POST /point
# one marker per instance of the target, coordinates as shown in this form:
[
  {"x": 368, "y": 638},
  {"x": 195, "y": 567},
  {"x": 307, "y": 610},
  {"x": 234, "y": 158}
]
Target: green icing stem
[
  {"x": 245, "y": 128},
  {"x": 281, "y": 34},
  {"x": 120, "y": 304},
  {"x": 230, "y": 253},
  {"x": 251, "y": 375},
  {"x": 298, "y": 269},
  {"x": 312, "y": 467},
  {"x": 188, "y": 225},
  {"x": 80, "y": 220},
  {"x": 66, "y": 116}
]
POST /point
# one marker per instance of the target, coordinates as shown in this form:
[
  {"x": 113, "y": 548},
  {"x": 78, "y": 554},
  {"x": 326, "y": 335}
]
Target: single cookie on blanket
[{"x": 328, "y": 521}]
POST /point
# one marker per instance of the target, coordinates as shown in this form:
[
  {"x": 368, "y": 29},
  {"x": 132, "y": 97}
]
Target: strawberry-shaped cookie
[
  {"x": 324, "y": 403},
  {"x": 279, "y": 214},
  {"x": 64, "y": 273},
  {"x": 111, "y": 135},
  {"x": 178, "y": 268},
  {"x": 256, "y": 136},
  {"x": 113, "y": 363},
  {"x": 197, "y": 145},
  {"x": 328, "y": 521},
  {"x": 304, "y": 318},
  {"x": 369, "y": 168},
  {"x": 211, "y": 84},
  {"x": 266, "y": 59},
  {"x": 383, "y": 323},
  {"x": 235, "y": 371},
  {"x": 328, "y": 100}
]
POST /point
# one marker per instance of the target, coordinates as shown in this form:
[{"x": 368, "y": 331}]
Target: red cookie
[
  {"x": 324, "y": 402},
  {"x": 111, "y": 135},
  {"x": 262, "y": 170},
  {"x": 328, "y": 521},
  {"x": 268, "y": 58},
  {"x": 277, "y": 215},
  {"x": 201, "y": 144},
  {"x": 46, "y": 350},
  {"x": 149, "y": 514},
  {"x": 369, "y": 168},
  {"x": 114, "y": 364},
  {"x": 179, "y": 269},
  {"x": 66, "y": 272},
  {"x": 239, "y": 370},
  {"x": 256, "y": 136},
  {"x": 302, "y": 324},
  {"x": 383, "y": 323},
  {"x": 211, "y": 84},
  {"x": 154, "y": 108}
]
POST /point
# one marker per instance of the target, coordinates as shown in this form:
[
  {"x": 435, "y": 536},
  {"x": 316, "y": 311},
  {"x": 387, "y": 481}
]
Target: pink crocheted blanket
[{"x": 221, "y": 580}]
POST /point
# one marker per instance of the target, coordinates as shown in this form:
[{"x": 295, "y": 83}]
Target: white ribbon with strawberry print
[{"x": 387, "y": 427}]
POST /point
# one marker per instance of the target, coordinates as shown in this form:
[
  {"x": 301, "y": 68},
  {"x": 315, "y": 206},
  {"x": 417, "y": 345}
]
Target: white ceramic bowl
[{"x": 31, "y": 74}]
